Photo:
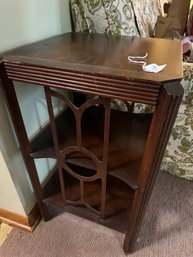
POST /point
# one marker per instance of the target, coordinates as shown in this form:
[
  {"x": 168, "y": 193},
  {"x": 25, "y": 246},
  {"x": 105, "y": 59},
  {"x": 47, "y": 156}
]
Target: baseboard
[{"x": 27, "y": 223}]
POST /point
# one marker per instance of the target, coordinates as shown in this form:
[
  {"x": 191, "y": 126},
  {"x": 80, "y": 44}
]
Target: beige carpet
[{"x": 167, "y": 230}]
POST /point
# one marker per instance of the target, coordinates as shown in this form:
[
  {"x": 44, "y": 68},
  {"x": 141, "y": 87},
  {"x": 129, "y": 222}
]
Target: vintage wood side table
[{"x": 107, "y": 160}]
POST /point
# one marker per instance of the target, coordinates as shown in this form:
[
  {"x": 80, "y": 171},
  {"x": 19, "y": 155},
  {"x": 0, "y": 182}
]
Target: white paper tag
[
  {"x": 147, "y": 68},
  {"x": 153, "y": 67}
]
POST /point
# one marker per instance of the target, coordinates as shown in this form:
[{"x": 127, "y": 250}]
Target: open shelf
[
  {"x": 118, "y": 201},
  {"x": 128, "y": 133}
]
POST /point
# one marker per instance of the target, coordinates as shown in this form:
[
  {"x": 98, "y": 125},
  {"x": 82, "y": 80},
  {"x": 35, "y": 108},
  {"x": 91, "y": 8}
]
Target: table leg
[{"x": 160, "y": 129}]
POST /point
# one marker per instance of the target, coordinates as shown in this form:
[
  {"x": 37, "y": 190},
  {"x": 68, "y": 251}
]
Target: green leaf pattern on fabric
[
  {"x": 178, "y": 158},
  {"x": 116, "y": 17},
  {"x": 146, "y": 13},
  {"x": 93, "y": 5}
]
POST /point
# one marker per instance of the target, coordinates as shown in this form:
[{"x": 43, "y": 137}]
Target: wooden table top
[{"x": 103, "y": 55}]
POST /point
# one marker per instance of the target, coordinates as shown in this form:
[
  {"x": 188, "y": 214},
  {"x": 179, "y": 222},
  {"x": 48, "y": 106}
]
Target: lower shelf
[{"x": 118, "y": 201}]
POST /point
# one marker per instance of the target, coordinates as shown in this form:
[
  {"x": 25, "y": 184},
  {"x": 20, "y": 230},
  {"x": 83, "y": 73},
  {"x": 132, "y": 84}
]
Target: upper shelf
[{"x": 128, "y": 133}]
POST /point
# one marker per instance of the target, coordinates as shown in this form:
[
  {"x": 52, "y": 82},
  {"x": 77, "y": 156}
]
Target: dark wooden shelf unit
[{"x": 107, "y": 160}]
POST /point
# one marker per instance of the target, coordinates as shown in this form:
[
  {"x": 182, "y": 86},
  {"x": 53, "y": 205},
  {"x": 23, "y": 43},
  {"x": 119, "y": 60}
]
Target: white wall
[
  {"x": 8, "y": 189},
  {"x": 23, "y": 22}
]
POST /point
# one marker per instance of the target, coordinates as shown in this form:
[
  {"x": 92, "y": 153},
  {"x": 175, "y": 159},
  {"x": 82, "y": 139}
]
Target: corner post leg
[{"x": 160, "y": 129}]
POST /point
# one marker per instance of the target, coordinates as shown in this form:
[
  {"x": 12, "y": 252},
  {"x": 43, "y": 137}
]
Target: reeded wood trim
[
  {"x": 27, "y": 223},
  {"x": 114, "y": 87}
]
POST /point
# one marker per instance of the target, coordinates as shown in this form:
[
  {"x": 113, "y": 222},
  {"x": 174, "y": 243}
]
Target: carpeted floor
[{"x": 167, "y": 230}]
